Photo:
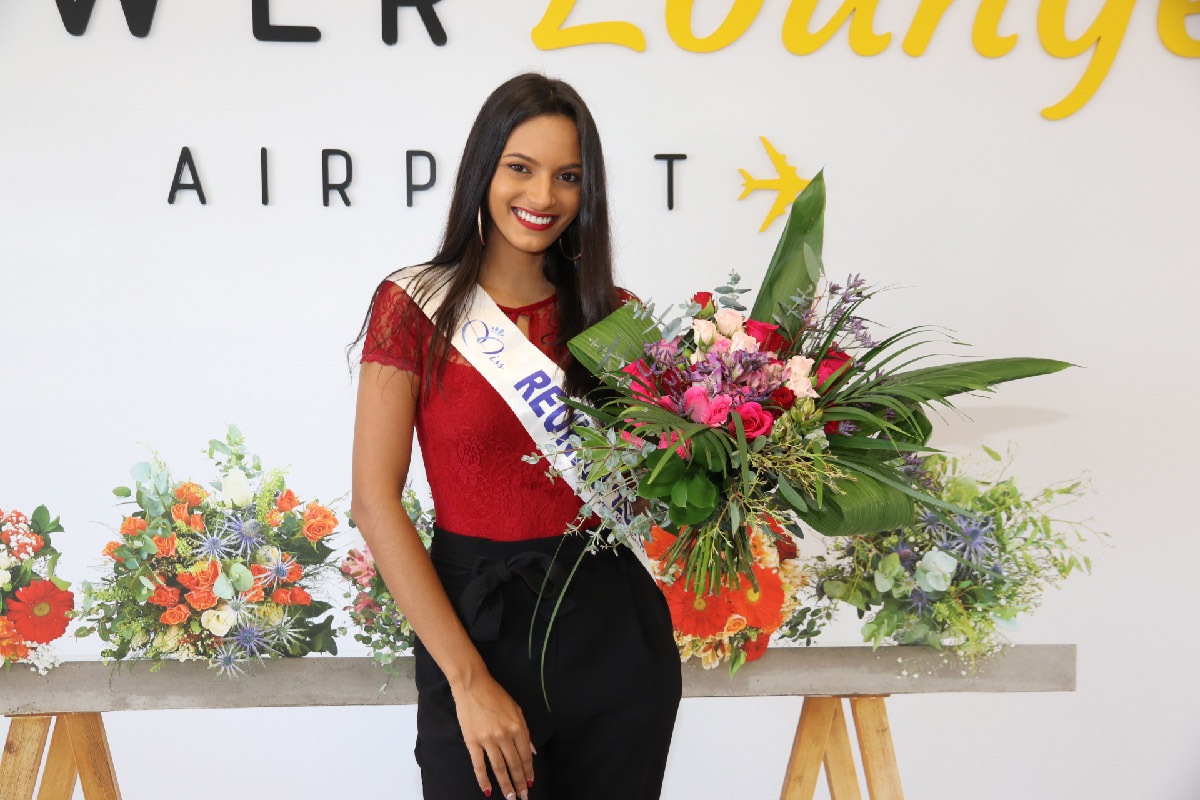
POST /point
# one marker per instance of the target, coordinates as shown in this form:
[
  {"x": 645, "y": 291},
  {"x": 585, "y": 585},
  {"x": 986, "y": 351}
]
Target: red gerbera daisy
[
  {"x": 39, "y": 611},
  {"x": 762, "y": 608},
  {"x": 660, "y": 541},
  {"x": 697, "y": 614}
]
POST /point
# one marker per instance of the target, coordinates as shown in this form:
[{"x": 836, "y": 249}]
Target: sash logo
[{"x": 486, "y": 340}]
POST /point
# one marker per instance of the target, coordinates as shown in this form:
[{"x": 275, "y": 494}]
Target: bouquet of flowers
[
  {"x": 34, "y": 603},
  {"x": 722, "y": 420},
  {"x": 224, "y": 577},
  {"x": 957, "y": 581},
  {"x": 379, "y": 624}
]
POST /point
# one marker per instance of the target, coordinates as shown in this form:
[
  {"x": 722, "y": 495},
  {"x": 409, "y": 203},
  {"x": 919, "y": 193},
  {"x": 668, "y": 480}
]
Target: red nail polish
[
  {"x": 487, "y": 792},
  {"x": 529, "y": 783}
]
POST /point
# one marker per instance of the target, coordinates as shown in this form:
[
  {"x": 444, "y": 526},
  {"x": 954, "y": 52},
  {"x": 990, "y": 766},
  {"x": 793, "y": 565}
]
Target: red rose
[
  {"x": 785, "y": 547},
  {"x": 705, "y": 301},
  {"x": 783, "y": 397},
  {"x": 766, "y": 334},
  {"x": 672, "y": 382},
  {"x": 831, "y": 363},
  {"x": 754, "y": 648},
  {"x": 756, "y": 420}
]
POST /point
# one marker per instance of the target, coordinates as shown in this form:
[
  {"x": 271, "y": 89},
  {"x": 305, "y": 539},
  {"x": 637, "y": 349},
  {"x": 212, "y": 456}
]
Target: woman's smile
[{"x": 535, "y": 222}]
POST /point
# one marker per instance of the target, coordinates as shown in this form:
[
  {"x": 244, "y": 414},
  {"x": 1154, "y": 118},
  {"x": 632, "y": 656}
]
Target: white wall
[{"x": 126, "y": 320}]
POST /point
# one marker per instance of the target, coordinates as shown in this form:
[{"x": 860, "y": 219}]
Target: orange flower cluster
[
  {"x": 133, "y": 526},
  {"x": 12, "y": 645},
  {"x": 109, "y": 548},
  {"x": 294, "y": 596},
  {"x": 319, "y": 522},
  {"x": 199, "y": 581},
  {"x": 191, "y": 494}
]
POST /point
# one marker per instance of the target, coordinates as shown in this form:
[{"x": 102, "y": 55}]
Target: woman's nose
[{"x": 541, "y": 192}]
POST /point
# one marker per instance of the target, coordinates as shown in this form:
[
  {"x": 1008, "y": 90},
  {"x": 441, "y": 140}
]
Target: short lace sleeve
[{"x": 398, "y": 334}]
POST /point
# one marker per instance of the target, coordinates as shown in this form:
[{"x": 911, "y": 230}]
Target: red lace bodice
[{"x": 470, "y": 440}]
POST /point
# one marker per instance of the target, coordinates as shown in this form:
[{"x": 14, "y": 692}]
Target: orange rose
[
  {"x": 132, "y": 526},
  {"x": 295, "y": 572},
  {"x": 207, "y": 574},
  {"x": 300, "y": 597},
  {"x": 201, "y": 599},
  {"x": 318, "y": 529},
  {"x": 734, "y": 624},
  {"x": 166, "y": 545},
  {"x": 191, "y": 494},
  {"x": 282, "y": 596},
  {"x": 109, "y": 548},
  {"x": 166, "y": 596},
  {"x": 254, "y": 595},
  {"x": 11, "y": 644},
  {"x": 313, "y": 511},
  {"x": 258, "y": 570},
  {"x": 179, "y": 513},
  {"x": 175, "y": 616},
  {"x": 274, "y": 518},
  {"x": 287, "y": 501},
  {"x": 196, "y": 523}
]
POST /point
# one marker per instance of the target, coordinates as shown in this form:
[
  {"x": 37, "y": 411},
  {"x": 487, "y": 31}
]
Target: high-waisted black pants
[{"x": 612, "y": 672}]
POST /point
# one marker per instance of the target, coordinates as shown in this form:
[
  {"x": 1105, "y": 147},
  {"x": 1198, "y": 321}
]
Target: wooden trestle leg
[
  {"x": 60, "y": 773},
  {"x": 92, "y": 757},
  {"x": 822, "y": 737},
  {"x": 23, "y": 756}
]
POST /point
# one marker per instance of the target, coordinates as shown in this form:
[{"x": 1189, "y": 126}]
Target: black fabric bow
[{"x": 482, "y": 601}]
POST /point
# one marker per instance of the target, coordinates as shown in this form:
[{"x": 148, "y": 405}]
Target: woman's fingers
[
  {"x": 519, "y": 768},
  {"x": 500, "y": 769},
  {"x": 480, "y": 767}
]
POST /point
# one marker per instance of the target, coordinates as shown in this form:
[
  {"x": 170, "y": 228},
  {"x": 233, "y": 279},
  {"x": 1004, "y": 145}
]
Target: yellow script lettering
[
  {"x": 986, "y": 33},
  {"x": 1104, "y": 36},
  {"x": 679, "y": 25},
  {"x": 1172, "y": 27},
  {"x": 549, "y": 34},
  {"x": 928, "y": 15},
  {"x": 863, "y": 40}
]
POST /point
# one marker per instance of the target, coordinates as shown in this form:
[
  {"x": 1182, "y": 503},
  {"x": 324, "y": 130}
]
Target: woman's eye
[
  {"x": 570, "y": 177},
  {"x": 518, "y": 168}
]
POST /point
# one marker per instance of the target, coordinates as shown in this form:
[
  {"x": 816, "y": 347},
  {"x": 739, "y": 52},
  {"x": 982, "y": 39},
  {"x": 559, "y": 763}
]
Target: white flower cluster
[{"x": 42, "y": 659}]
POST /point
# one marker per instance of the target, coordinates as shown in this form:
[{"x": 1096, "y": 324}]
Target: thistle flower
[
  {"x": 215, "y": 545},
  {"x": 971, "y": 537},
  {"x": 244, "y": 533},
  {"x": 250, "y": 639},
  {"x": 228, "y": 660},
  {"x": 918, "y": 602}
]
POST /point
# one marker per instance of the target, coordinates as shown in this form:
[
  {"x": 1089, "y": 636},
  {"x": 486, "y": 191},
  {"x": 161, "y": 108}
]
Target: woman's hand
[{"x": 493, "y": 726}]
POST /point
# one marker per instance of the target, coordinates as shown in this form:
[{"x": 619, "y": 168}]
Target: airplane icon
[{"x": 788, "y": 184}]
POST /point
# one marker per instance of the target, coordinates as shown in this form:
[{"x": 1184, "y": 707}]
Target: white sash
[{"x": 530, "y": 383}]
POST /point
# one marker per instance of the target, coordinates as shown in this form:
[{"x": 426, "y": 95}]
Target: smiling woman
[{"x": 524, "y": 266}]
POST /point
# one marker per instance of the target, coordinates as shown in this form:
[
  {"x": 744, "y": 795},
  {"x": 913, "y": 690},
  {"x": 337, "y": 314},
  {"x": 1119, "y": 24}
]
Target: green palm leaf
[
  {"x": 789, "y": 272},
  {"x": 864, "y": 506},
  {"x": 938, "y": 383},
  {"x": 618, "y": 339}
]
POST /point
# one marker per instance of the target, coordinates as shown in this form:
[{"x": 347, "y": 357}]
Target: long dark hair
[{"x": 584, "y": 286}]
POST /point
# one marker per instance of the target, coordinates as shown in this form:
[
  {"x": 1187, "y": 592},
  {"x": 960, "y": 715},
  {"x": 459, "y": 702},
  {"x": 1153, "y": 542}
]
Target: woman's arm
[{"x": 491, "y": 722}]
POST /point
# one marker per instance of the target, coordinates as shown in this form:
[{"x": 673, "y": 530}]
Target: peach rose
[
  {"x": 132, "y": 526},
  {"x": 274, "y": 518},
  {"x": 109, "y": 548},
  {"x": 734, "y": 624},
  {"x": 175, "y": 616},
  {"x": 165, "y": 544},
  {"x": 287, "y": 501},
  {"x": 191, "y": 493},
  {"x": 166, "y": 596},
  {"x": 201, "y": 598}
]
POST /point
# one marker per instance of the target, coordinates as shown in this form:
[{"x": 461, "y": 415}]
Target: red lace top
[{"x": 470, "y": 440}]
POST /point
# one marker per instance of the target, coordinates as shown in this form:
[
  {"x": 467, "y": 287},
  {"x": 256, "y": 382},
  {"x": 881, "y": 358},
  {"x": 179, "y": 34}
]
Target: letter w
[{"x": 76, "y": 14}]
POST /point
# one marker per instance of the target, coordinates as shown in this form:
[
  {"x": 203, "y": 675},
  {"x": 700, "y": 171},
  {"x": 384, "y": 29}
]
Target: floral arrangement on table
[
  {"x": 378, "y": 622},
  {"x": 957, "y": 581},
  {"x": 225, "y": 576},
  {"x": 35, "y": 606},
  {"x": 735, "y": 428}
]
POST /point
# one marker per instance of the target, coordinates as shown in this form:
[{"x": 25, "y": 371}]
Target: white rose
[
  {"x": 5, "y": 577},
  {"x": 6, "y": 560},
  {"x": 744, "y": 342},
  {"x": 218, "y": 620},
  {"x": 236, "y": 489},
  {"x": 799, "y": 380},
  {"x": 728, "y": 321},
  {"x": 705, "y": 332}
]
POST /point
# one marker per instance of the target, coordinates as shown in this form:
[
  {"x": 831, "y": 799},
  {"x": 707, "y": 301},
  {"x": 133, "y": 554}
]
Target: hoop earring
[
  {"x": 563, "y": 250},
  {"x": 479, "y": 225}
]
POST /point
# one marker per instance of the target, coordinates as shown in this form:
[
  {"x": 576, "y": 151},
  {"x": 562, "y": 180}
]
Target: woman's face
[{"x": 534, "y": 194}]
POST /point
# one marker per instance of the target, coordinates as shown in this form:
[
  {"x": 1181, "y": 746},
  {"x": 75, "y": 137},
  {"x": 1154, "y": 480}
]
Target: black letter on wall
[
  {"x": 419, "y": 187},
  {"x": 77, "y": 13},
  {"x": 264, "y": 31},
  {"x": 670, "y": 158},
  {"x": 262, "y": 175},
  {"x": 340, "y": 188},
  {"x": 391, "y": 21},
  {"x": 185, "y": 159}
]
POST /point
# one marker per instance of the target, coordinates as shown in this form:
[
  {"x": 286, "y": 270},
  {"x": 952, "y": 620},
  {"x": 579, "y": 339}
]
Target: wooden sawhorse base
[
  {"x": 821, "y": 737},
  {"x": 78, "y": 748}
]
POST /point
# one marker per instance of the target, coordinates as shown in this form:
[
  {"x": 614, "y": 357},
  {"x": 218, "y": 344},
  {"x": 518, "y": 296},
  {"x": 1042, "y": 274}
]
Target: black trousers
[{"x": 602, "y": 714}]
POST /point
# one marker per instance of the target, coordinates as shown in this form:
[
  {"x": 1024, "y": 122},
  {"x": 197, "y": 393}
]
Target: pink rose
[
  {"x": 696, "y": 403},
  {"x": 718, "y": 410},
  {"x": 664, "y": 442},
  {"x": 629, "y": 438},
  {"x": 798, "y": 379},
  {"x": 743, "y": 342},
  {"x": 756, "y": 420},
  {"x": 704, "y": 332},
  {"x": 643, "y": 386},
  {"x": 831, "y": 363},
  {"x": 720, "y": 345}
]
